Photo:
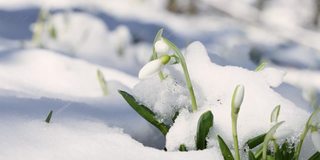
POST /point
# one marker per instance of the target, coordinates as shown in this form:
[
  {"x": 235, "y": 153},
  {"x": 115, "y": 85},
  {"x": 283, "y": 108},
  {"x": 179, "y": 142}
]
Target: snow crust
[
  {"x": 58, "y": 76},
  {"x": 82, "y": 140}
]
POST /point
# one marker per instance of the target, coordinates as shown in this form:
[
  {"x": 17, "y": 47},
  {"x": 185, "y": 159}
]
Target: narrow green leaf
[
  {"x": 205, "y": 122},
  {"x": 268, "y": 137},
  {"x": 175, "y": 116},
  {"x": 226, "y": 153},
  {"x": 315, "y": 156},
  {"x": 144, "y": 112},
  {"x": 158, "y": 36},
  {"x": 258, "y": 153},
  {"x": 102, "y": 82},
  {"x": 183, "y": 148},
  {"x": 252, "y": 143},
  {"x": 270, "y": 157},
  {"x": 49, "y": 116},
  {"x": 53, "y": 32},
  {"x": 275, "y": 114},
  {"x": 280, "y": 153},
  {"x": 251, "y": 156},
  {"x": 261, "y": 66}
]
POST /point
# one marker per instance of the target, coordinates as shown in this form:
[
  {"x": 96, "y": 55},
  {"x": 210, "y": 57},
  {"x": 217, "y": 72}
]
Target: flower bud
[
  {"x": 161, "y": 47},
  {"x": 237, "y": 98}
]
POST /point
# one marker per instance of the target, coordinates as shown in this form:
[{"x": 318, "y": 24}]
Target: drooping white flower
[
  {"x": 161, "y": 47},
  {"x": 237, "y": 98},
  {"x": 153, "y": 67},
  {"x": 315, "y": 136}
]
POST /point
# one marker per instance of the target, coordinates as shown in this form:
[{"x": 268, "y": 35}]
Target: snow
[
  {"x": 55, "y": 75},
  {"x": 116, "y": 37},
  {"x": 273, "y": 76},
  {"x": 217, "y": 89},
  {"x": 165, "y": 97},
  {"x": 89, "y": 41},
  {"x": 72, "y": 139}
]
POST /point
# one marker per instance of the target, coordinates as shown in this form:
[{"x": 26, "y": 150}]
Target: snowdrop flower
[
  {"x": 153, "y": 67},
  {"x": 161, "y": 47},
  {"x": 237, "y": 98},
  {"x": 315, "y": 136}
]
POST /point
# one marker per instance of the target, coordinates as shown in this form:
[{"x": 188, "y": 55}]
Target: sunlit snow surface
[{"x": 87, "y": 125}]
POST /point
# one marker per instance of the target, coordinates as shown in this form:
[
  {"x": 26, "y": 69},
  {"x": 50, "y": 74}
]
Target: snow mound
[
  {"x": 214, "y": 86},
  {"x": 274, "y": 77},
  {"x": 39, "y": 72},
  {"x": 93, "y": 41},
  {"x": 170, "y": 96},
  {"x": 78, "y": 139}
]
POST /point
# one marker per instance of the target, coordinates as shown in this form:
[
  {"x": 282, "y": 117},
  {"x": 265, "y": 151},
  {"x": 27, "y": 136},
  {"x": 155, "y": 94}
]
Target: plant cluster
[{"x": 266, "y": 146}]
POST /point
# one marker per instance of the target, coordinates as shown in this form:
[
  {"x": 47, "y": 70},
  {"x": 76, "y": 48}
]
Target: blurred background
[{"x": 118, "y": 35}]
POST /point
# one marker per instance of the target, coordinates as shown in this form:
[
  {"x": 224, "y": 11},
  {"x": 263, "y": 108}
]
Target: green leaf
[
  {"x": 252, "y": 143},
  {"x": 53, "y": 32},
  {"x": 268, "y": 137},
  {"x": 315, "y": 156},
  {"x": 144, "y": 112},
  {"x": 175, "y": 116},
  {"x": 204, "y": 124},
  {"x": 261, "y": 66},
  {"x": 251, "y": 156},
  {"x": 275, "y": 114},
  {"x": 158, "y": 36},
  {"x": 286, "y": 152},
  {"x": 226, "y": 153},
  {"x": 270, "y": 157},
  {"x": 48, "y": 119},
  {"x": 102, "y": 82},
  {"x": 258, "y": 153},
  {"x": 183, "y": 148}
]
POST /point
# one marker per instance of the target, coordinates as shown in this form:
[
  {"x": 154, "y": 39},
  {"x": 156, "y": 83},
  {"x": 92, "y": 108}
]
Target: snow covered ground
[{"x": 52, "y": 65}]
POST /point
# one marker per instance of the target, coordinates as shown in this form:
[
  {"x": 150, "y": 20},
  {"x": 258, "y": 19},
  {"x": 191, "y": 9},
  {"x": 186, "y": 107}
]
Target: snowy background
[{"x": 51, "y": 65}]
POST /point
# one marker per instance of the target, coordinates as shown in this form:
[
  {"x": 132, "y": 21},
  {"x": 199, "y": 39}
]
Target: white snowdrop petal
[
  {"x": 273, "y": 77},
  {"x": 150, "y": 68},
  {"x": 315, "y": 136},
  {"x": 238, "y": 96},
  {"x": 161, "y": 47}
]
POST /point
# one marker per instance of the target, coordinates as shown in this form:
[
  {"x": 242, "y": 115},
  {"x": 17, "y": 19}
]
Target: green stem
[
  {"x": 301, "y": 139},
  {"x": 269, "y": 136},
  {"x": 235, "y": 136},
  {"x": 161, "y": 75},
  {"x": 275, "y": 145},
  {"x": 304, "y": 134},
  {"x": 186, "y": 73},
  {"x": 189, "y": 84},
  {"x": 259, "y": 152}
]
